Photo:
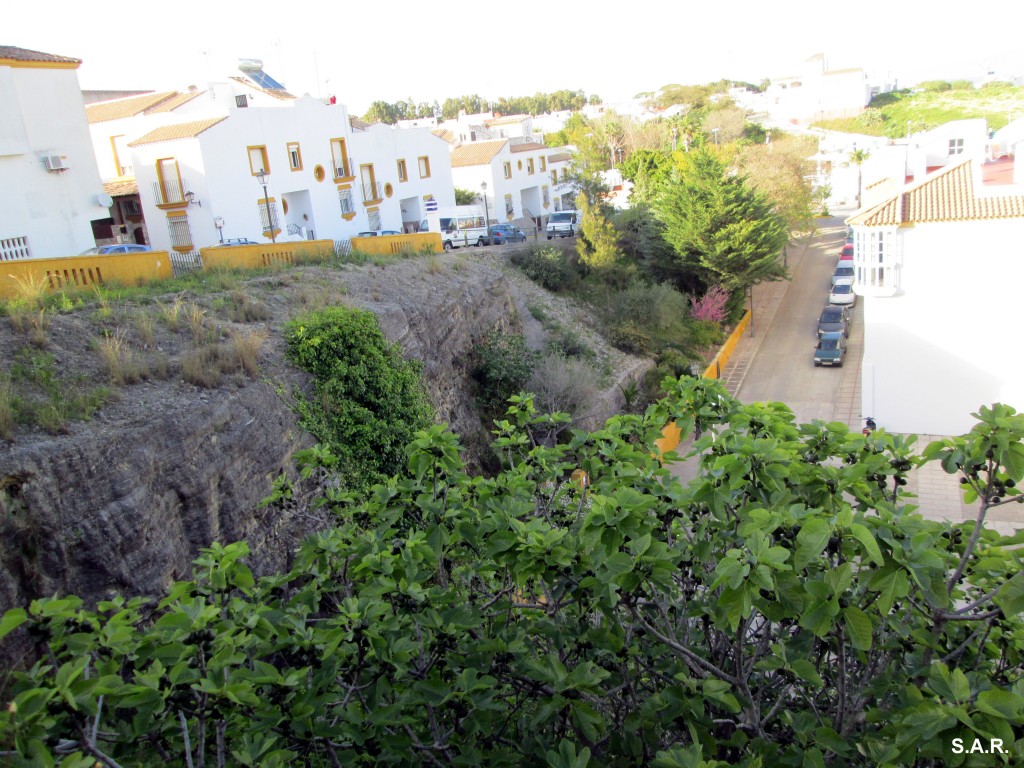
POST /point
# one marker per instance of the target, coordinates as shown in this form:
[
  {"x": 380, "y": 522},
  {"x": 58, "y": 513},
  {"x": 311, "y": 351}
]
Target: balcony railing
[
  {"x": 340, "y": 171},
  {"x": 169, "y": 192},
  {"x": 372, "y": 191}
]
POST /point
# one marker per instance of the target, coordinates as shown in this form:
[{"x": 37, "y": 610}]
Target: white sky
[{"x": 404, "y": 48}]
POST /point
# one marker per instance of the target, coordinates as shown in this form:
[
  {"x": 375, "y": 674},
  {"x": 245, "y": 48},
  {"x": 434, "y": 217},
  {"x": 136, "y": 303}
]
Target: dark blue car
[{"x": 507, "y": 233}]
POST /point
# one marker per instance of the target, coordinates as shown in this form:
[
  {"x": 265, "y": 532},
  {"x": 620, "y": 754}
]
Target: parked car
[
  {"x": 830, "y": 350},
  {"x": 103, "y": 250},
  {"x": 842, "y": 294},
  {"x": 507, "y": 233},
  {"x": 563, "y": 224},
  {"x": 234, "y": 241},
  {"x": 843, "y": 273},
  {"x": 834, "y": 319},
  {"x": 847, "y": 253},
  {"x": 379, "y": 233}
]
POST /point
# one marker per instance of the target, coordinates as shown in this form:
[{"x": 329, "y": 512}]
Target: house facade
[
  {"x": 939, "y": 267},
  {"x": 50, "y": 188},
  {"x": 817, "y": 93},
  {"x": 303, "y": 172}
]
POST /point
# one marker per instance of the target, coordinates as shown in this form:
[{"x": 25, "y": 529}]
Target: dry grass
[
  {"x": 246, "y": 346},
  {"x": 6, "y": 409},
  {"x": 171, "y": 313},
  {"x": 145, "y": 326},
  {"x": 120, "y": 360},
  {"x": 201, "y": 366},
  {"x": 33, "y": 323},
  {"x": 31, "y": 290},
  {"x": 433, "y": 265},
  {"x": 195, "y": 317},
  {"x": 246, "y": 309}
]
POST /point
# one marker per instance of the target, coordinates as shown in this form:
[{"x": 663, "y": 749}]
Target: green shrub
[
  {"x": 369, "y": 399},
  {"x": 569, "y": 342},
  {"x": 630, "y": 337},
  {"x": 502, "y": 366},
  {"x": 548, "y": 266}
]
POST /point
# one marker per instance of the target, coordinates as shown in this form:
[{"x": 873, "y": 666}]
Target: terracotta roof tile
[
  {"x": 530, "y": 147},
  {"x": 12, "y": 53},
  {"x": 358, "y": 124},
  {"x": 174, "y": 102},
  {"x": 102, "y": 111},
  {"x": 444, "y": 133},
  {"x": 277, "y": 94},
  {"x": 121, "y": 187},
  {"x": 178, "y": 131},
  {"x": 561, "y": 157},
  {"x": 476, "y": 152},
  {"x": 948, "y": 195}
]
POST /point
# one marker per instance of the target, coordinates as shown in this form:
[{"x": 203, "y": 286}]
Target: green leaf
[
  {"x": 806, "y": 671},
  {"x": 1010, "y": 598},
  {"x": 867, "y": 540},
  {"x": 860, "y": 628},
  {"x": 813, "y": 758},
  {"x": 811, "y": 541},
  {"x": 11, "y": 620},
  {"x": 1002, "y": 704}
]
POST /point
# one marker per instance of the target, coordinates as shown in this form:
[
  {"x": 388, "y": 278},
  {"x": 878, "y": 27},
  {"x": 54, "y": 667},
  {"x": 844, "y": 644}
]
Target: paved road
[{"x": 783, "y": 368}]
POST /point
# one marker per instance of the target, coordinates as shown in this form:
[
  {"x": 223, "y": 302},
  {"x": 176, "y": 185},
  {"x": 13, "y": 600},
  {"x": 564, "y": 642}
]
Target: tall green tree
[
  {"x": 598, "y": 244},
  {"x": 858, "y": 157},
  {"x": 722, "y": 231}
]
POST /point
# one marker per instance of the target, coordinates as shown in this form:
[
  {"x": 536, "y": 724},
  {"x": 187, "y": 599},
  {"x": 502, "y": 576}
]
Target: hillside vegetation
[{"x": 897, "y": 113}]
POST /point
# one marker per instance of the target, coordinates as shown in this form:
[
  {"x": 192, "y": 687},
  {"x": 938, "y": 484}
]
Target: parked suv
[{"x": 563, "y": 224}]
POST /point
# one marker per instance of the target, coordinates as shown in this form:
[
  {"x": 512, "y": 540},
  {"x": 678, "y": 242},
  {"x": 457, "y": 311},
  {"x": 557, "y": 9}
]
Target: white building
[
  {"x": 50, "y": 188},
  {"x": 199, "y": 181},
  {"x": 940, "y": 266},
  {"x": 817, "y": 93}
]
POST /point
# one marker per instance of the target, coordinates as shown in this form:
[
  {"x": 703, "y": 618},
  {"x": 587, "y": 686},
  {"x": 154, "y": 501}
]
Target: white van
[
  {"x": 458, "y": 226},
  {"x": 563, "y": 224}
]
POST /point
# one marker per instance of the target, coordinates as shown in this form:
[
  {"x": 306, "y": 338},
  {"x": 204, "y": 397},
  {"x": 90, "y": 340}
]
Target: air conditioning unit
[{"x": 56, "y": 162}]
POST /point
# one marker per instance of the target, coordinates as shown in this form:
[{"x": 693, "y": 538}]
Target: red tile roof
[
  {"x": 949, "y": 195},
  {"x": 476, "y": 153},
  {"x": 12, "y": 55},
  {"x": 179, "y": 131},
  {"x": 121, "y": 187},
  {"x": 116, "y": 109},
  {"x": 527, "y": 147}
]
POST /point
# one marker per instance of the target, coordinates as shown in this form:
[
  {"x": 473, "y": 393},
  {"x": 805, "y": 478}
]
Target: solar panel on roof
[{"x": 263, "y": 80}]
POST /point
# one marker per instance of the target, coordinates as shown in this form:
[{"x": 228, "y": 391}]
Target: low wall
[
  {"x": 84, "y": 271},
  {"x": 391, "y": 244},
  {"x": 264, "y": 254},
  {"x": 718, "y": 363}
]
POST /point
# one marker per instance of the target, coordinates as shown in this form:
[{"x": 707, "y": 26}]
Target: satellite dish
[{"x": 104, "y": 200}]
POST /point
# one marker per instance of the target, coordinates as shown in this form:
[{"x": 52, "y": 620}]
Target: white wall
[
  {"x": 43, "y": 114},
  {"x": 931, "y": 148},
  {"x": 948, "y": 344}
]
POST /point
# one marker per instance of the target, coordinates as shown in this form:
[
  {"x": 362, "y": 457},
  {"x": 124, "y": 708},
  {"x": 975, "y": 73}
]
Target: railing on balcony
[
  {"x": 533, "y": 138},
  {"x": 169, "y": 192},
  {"x": 340, "y": 171},
  {"x": 372, "y": 191}
]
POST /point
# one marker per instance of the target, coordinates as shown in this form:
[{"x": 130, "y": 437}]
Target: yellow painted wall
[
  {"x": 85, "y": 271},
  {"x": 264, "y": 254},
  {"x": 714, "y": 370},
  {"x": 392, "y": 244}
]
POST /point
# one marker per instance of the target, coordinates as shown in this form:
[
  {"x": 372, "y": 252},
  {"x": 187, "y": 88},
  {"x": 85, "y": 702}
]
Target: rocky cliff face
[{"x": 123, "y": 502}]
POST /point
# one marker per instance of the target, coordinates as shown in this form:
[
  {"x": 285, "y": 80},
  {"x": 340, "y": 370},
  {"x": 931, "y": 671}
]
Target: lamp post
[
  {"x": 715, "y": 132},
  {"x": 261, "y": 177},
  {"x": 487, "y": 215}
]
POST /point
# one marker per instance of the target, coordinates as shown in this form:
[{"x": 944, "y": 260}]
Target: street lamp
[
  {"x": 715, "y": 132},
  {"x": 487, "y": 215},
  {"x": 262, "y": 177}
]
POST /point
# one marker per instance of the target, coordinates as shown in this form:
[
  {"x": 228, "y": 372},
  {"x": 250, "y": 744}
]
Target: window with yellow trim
[
  {"x": 543, "y": 164},
  {"x": 258, "y": 160},
  {"x": 373, "y": 217},
  {"x": 294, "y": 156},
  {"x": 179, "y": 231},
  {"x": 554, "y": 176},
  {"x": 547, "y": 197},
  {"x": 345, "y": 201},
  {"x": 168, "y": 186},
  {"x": 507, "y": 167},
  {"x": 339, "y": 159},
  {"x": 424, "y": 167},
  {"x": 529, "y": 165},
  {"x": 403, "y": 173},
  {"x": 371, "y": 187}
]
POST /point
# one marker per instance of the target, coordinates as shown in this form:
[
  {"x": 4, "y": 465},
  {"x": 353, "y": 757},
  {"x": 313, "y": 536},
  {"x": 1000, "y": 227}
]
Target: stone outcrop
[{"x": 123, "y": 502}]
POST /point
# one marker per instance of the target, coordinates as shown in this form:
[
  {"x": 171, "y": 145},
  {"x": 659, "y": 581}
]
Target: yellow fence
[
  {"x": 83, "y": 271},
  {"x": 714, "y": 370},
  {"x": 264, "y": 254},
  {"x": 392, "y": 244}
]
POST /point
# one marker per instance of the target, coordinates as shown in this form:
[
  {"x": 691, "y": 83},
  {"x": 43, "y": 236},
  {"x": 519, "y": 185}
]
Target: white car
[
  {"x": 842, "y": 294},
  {"x": 843, "y": 273}
]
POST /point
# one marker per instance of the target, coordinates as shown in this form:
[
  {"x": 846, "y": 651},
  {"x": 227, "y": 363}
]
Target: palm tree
[{"x": 857, "y": 157}]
